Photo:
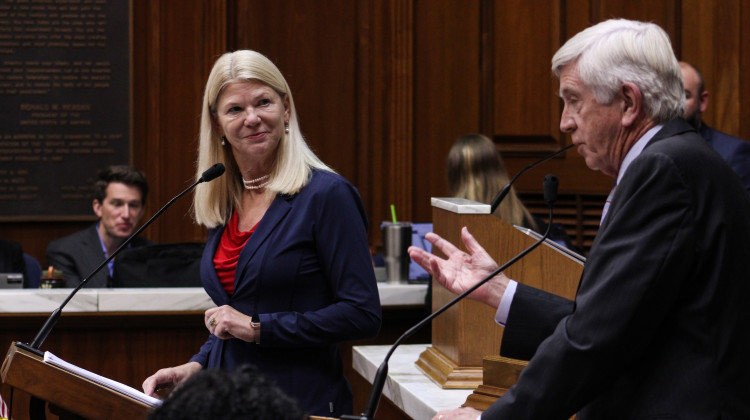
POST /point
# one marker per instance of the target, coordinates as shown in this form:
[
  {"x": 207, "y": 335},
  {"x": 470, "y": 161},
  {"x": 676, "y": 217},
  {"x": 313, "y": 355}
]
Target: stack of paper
[{"x": 113, "y": 385}]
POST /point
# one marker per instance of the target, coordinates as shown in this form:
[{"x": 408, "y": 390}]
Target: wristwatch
[{"x": 255, "y": 325}]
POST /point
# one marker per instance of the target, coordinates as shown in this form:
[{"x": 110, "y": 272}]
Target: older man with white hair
[{"x": 659, "y": 326}]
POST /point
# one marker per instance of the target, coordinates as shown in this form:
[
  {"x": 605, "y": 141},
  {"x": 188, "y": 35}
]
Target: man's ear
[
  {"x": 97, "y": 206},
  {"x": 632, "y": 103},
  {"x": 704, "y": 101}
]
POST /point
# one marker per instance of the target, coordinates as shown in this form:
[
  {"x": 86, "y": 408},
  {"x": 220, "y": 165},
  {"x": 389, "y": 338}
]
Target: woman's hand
[
  {"x": 226, "y": 322},
  {"x": 169, "y": 377}
]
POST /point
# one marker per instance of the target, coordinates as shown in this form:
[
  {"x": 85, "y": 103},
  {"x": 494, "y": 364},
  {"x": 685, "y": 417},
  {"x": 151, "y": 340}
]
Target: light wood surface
[
  {"x": 28, "y": 372},
  {"x": 467, "y": 332},
  {"x": 128, "y": 346}
]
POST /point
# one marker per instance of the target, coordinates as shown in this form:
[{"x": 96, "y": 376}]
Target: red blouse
[{"x": 228, "y": 252}]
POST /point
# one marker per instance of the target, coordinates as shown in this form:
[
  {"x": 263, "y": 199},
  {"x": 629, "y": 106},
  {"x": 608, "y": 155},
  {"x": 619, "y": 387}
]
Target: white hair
[{"x": 616, "y": 51}]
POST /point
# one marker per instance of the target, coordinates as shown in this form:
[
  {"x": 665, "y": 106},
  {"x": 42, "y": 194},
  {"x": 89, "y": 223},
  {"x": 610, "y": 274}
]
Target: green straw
[{"x": 393, "y": 213}]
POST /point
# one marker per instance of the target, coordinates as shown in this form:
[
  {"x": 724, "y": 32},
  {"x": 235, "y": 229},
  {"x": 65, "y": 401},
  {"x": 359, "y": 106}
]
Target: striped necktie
[{"x": 606, "y": 204}]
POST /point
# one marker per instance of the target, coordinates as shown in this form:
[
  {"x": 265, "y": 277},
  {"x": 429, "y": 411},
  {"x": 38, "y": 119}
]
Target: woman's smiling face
[{"x": 252, "y": 115}]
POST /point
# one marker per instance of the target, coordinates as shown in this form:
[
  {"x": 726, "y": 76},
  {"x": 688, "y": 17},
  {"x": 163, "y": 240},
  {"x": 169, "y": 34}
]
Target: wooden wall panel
[
  {"x": 665, "y": 13},
  {"x": 370, "y": 76},
  {"x": 744, "y": 67},
  {"x": 564, "y": 19},
  {"x": 314, "y": 47},
  {"x": 526, "y": 108},
  {"x": 447, "y": 90},
  {"x": 712, "y": 41},
  {"x": 176, "y": 42},
  {"x": 383, "y": 88}
]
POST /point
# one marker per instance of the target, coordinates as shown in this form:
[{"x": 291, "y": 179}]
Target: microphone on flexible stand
[
  {"x": 506, "y": 189},
  {"x": 208, "y": 175},
  {"x": 551, "y": 183}
]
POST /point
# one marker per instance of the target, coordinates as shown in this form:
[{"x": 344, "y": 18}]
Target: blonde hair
[
  {"x": 476, "y": 171},
  {"x": 213, "y": 201}
]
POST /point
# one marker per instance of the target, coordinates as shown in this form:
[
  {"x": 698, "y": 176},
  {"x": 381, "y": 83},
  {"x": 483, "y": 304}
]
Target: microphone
[
  {"x": 551, "y": 183},
  {"x": 506, "y": 189},
  {"x": 208, "y": 175},
  {"x": 550, "y": 196}
]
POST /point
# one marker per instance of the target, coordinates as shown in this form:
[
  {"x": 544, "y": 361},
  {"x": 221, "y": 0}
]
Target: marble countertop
[
  {"x": 407, "y": 387},
  {"x": 173, "y": 299}
]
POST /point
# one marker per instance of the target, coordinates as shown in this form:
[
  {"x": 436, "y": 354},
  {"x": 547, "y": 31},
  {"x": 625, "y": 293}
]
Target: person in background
[
  {"x": 476, "y": 171},
  {"x": 287, "y": 260},
  {"x": 119, "y": 199},
  {"x": 659, "y": 325},
  {"x": 11, "y": 257},
  {"x": 734, "y": 150},
  {"x": 216, "y": 394}
]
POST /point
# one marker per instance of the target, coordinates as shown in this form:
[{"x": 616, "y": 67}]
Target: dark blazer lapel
[
  {"x": 274, "y": 215},
  {"x": 209, "y": 277},
  {"x": 93, "y": 257},
  {"x": 92, "y": 243},
  {"x": 671, "y": 129}
]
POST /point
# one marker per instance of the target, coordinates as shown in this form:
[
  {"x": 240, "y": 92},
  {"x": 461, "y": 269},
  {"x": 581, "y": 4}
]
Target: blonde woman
[{"x": 287, "y": 260}]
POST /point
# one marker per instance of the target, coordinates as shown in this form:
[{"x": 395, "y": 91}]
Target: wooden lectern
[
  {"x": 28, "y": 372},
  {"x": 467, "y": 332}
]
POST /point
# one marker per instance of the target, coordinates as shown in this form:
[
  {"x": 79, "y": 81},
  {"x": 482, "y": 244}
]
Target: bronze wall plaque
[{"x": 65, "y": 103}]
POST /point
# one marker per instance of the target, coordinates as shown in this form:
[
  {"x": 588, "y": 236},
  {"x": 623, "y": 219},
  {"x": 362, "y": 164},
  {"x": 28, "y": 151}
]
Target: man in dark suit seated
[
  {"x": 659, "y": 325},
  {"x": 734, "y": 150},
  {"x": 119, "y": 198}
]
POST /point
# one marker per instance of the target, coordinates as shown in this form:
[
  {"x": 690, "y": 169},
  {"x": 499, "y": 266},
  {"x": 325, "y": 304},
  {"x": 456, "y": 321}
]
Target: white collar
[{"x": 637, "y": 149}]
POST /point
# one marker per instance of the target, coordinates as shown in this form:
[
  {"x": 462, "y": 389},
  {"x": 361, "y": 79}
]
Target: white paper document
[
  {"x": 580, "y": 259},
  {"x": 113, "y": 385}
]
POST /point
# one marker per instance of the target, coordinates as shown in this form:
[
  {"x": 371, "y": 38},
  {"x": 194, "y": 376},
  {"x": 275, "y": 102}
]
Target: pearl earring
[
  {"x": 223, "y": 141},
  {"x": 286, "y": 128}
]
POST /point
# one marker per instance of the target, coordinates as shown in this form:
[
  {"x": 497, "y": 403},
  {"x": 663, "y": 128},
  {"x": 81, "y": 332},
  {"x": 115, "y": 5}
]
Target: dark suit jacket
[
  {"x": 734, "y": 150},
  {"x": 306, "y": 272},
  {"x": 11, "y": 257},
  {"x": 77, "y": 255},
  {"x": 660, "y": 326}
]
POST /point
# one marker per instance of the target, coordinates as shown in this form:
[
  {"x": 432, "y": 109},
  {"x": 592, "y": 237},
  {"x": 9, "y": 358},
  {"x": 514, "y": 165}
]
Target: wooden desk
[{"x": 128, "y": 334}]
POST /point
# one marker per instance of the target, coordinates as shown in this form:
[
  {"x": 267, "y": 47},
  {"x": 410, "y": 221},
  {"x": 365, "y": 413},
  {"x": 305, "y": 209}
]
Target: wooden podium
[
  {"x": 467, "y": 332},
  {"x": 28, "y": 372}
]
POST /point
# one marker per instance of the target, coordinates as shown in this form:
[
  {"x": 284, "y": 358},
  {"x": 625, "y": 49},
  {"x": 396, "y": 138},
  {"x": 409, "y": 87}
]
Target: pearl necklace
[{"x": 251, "y": 184}]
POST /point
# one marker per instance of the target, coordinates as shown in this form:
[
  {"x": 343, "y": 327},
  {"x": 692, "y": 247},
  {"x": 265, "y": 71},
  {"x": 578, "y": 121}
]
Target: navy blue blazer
[
  {"x": 307, "y": 273},
  {"x": 734, "y": 150},
  {"x": 659, "y": 326}
]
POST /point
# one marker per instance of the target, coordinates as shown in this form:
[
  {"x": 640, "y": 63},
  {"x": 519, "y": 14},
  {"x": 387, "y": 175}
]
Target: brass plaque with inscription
[{"x": 64, "y": 103}]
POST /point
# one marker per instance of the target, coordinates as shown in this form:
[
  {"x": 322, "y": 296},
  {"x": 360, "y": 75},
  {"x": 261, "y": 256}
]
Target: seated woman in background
[{"x": 476, "y": 172}]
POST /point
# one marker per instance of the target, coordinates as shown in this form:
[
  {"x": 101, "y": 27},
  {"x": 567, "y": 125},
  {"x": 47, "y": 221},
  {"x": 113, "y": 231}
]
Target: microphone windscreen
[
  {"x": 213, "y": 172},
  {"x": 551, "y": 183}
]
